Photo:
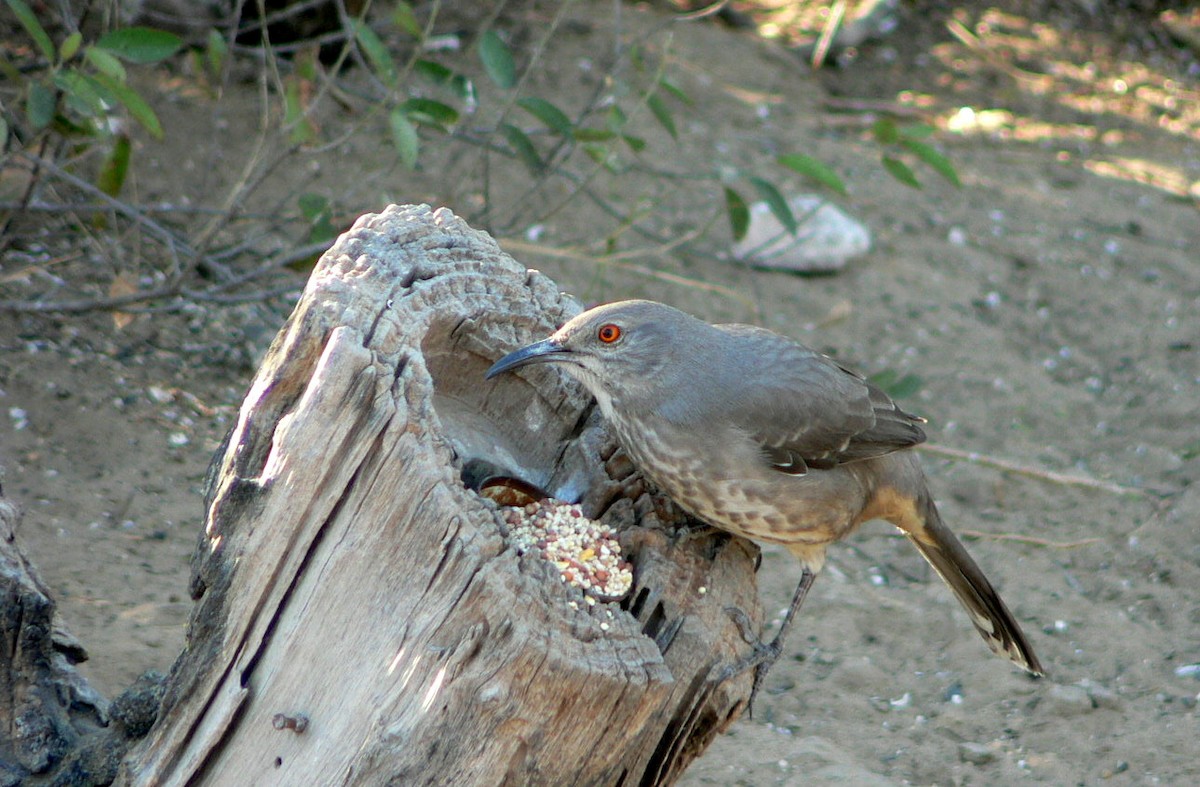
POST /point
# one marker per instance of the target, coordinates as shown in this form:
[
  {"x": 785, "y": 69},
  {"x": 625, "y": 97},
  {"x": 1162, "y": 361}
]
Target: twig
[
  {"x": 711, "y": 9},
  {"x": 1032, "y": 472},
  {"x": 173, "y": 244},
  {"x": 973, "y": 43},
  {"x": 511, "y": 245},
  {"x": 95, "y": 304},
  {"x": 93, "y": 207},
  {"x": 828, "y": 32},
  {"x": 873, "y": 106},
  {"x": 1041, "y": 542},
  {"x": 213, "y": 294}
]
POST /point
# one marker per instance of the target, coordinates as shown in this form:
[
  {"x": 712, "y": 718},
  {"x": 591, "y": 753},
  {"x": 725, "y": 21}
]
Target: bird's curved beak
[{"x": 544, "y": 351}]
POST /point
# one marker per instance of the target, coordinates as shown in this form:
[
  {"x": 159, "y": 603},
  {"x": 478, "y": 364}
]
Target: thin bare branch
[
  {"x": 1048, "y": 476},
  {"x": 512, "y": 245},
  {"x": 1023, "y": 539}
]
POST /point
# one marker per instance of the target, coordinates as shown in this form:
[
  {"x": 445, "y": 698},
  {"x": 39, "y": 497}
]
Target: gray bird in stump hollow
[{"x": 764, "y": 438}]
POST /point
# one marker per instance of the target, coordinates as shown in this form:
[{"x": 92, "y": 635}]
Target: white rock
[{"x": 826, "y": 239}]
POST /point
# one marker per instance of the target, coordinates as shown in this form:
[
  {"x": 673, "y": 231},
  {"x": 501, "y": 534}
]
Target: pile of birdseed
[{"x": 585, "y": 552}]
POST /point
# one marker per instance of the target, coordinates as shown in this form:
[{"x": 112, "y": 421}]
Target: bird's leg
[{"x": 765, "y": 654}]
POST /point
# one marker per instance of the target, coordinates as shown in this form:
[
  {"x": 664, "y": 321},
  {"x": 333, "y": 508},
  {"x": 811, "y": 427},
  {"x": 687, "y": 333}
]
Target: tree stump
[{"x": 361, "y": 618}]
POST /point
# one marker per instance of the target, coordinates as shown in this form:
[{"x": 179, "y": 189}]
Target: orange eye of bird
[{"x": 608, "y": 333}]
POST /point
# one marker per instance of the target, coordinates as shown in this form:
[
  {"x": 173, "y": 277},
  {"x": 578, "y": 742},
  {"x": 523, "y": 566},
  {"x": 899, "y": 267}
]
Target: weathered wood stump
[{"x": 361, "y": 618}]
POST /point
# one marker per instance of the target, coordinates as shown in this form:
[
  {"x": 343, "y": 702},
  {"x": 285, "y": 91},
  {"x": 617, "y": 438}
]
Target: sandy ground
[{"x": 1050, "y": 308}]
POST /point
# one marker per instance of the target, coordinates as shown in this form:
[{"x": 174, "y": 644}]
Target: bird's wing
[{"x": 808, "y": 411}]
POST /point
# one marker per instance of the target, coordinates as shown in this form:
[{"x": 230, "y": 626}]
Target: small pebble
[
  {"x": 1188, "y": 671},
  {"x": 1101, "y": 696},
  {"x": 1068, "y": 701},
  {"x": 975, "y": 753}
]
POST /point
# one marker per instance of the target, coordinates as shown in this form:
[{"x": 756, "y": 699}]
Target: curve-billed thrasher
[{"x": 764, "y": 438}]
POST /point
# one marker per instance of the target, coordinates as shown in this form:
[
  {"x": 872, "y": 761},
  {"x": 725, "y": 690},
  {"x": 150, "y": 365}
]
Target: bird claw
[
  {"x": 764, "y": 654},
  {"x": 745, "y": 627},
  {"x": 761, "y": 658}
]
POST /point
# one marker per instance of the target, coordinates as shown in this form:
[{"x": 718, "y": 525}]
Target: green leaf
[
  {"x": 554, "y": 118},
  {"x": 917, "y": 131},
  {"x": 636, "y": 58},
  {"x": 116, "y": 166},
  {"x": 895, "y": 386},
  {"x": 497, "y": 60},
  {"x": 406, "y": 20},
  {"x": 662, "y": 114},
  {"x": 616, "y": 118},
  {"x": 593, "y": 135},
  {"x": 105, "y": 62},
  {"x": 428, "y": 112},
  {"x": 776, "y": 203},
  {"x": 3, "y": 133},
  {"x": 312, "y": 206},
  {"x": 885, "y": 131},
  {"x": 813, "y": 169},
  {"x": 900, "y": 171},
  {"x": 41, "y": 104},
  {"x": 523, "y": 147},
  {"x": 9, "y": 71},
  {"x": 442, "y": 76},
  {"x": 636, "y": 144},
  {"x": 906, "y": 386},
  {"x": 70, "y": 46},
  {"x": 305, "y": 64},
  {"x": 318, "y": 213},
  {"x": 376, "y": 52},
  {"x": 738, "y": 213},
  {"x": 136, "y": 105},
  {"x": 82, "y": 95},
  {"x": 463, "y": 88},
  {"x": 434, "y": 72},
  {"x": 140, "y": 44},
  {"x": 934, "y": 158},
  {"x": 601, "y": 154},
  {"x": 675, "y": 90},
  {"x": 29, "y": 21},
  {"x": 405, "y": 138},
  {"x": 216, "y": 50},
  {"x": 300, "y": 131}
]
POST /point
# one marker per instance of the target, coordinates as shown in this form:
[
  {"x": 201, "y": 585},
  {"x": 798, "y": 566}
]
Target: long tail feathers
[{"x": 924, "y": 527}]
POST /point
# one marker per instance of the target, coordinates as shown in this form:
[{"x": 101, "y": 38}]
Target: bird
[{"x": 760, "y": 436}]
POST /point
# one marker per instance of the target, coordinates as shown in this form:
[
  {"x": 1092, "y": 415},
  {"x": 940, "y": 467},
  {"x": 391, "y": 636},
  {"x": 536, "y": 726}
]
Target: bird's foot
[
  {"x": 764, "y": 654},
  {"x": 760, "y": 658}
]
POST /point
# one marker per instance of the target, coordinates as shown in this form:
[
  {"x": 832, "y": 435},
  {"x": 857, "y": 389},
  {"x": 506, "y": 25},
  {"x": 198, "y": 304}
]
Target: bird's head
[{"x": 618, "y": 350}]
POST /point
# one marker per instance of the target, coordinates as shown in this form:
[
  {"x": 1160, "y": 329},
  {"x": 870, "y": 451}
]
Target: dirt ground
[{"x": 1050, "y": 308}]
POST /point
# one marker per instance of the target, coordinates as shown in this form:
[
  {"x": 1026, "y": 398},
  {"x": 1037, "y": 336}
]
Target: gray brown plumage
[{"x": 762, "y": 437}]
